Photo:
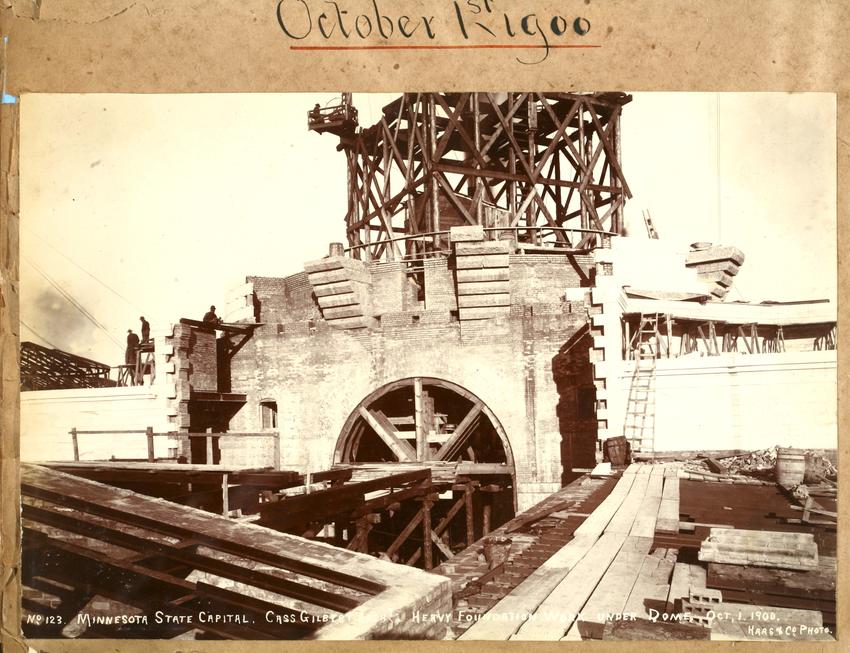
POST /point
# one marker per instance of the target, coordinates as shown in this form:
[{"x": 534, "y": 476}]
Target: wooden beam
[
  {"x": 225, "y": 496},
  {"x": 445, "y": 550},
  {"x": 421, "y": 435},
  {"x": 444, "y": 523},
  {"x": 426, "y": 535},
  {"x": 387, "y": 433},
  {"x": 454, "y": 443},
  {"x": 406, "y": 532},
  {"x": 469, "y": 514}
]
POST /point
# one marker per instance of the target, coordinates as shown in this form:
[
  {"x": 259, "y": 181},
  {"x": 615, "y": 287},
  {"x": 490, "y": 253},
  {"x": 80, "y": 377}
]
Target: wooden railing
[{"x": 150, "y": 435}]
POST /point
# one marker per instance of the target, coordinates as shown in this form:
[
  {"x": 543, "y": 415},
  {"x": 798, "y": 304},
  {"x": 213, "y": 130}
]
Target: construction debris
[{"x": 602, "y": 469}]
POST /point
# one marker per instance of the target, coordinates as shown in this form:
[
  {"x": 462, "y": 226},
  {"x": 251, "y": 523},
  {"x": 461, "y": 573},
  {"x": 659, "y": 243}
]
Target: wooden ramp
[
  {"x": 596, "y": 572},
  {"x": 501, "y": 622}
]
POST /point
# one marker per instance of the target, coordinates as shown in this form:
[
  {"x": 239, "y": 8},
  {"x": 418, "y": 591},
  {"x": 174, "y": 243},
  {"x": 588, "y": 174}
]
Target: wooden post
[
  {"x": 225, "y": 497},
  {"x": 488, "y": 509},
  {"x": 276, "y": 463},
  {"x": 669, "y": 324},
  {"x": 76, "y": 444},
  {"x": 361, "y": 539},
  {"x": 427, "y": 553},
  {"x": 470, "y": 517},
  {"x": 421, "y": 436},
  {"x": 209, "y": 442},
  {"x": 479, "y": 185},
  {"x": 338, "y": 532},
  {"x": 149, "y": 435},
  {"x": 431, "y": 112}
]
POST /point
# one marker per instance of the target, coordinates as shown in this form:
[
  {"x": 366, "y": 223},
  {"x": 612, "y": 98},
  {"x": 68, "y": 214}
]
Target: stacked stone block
[
  {"x": 342, "y": 289},
  {"x": 483, "y": 274},
  {"x": 716, "y": 265}
]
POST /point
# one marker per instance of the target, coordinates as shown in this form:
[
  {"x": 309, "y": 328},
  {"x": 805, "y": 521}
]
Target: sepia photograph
[{"x": 459, "y": 365}]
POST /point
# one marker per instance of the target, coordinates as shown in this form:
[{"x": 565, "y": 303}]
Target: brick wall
[
  {"x": 440, "y": 290},
  {"x": 284, "y": 300},
  {"x": 539, "y": 278},
  {"x": 392, "y": 290}
]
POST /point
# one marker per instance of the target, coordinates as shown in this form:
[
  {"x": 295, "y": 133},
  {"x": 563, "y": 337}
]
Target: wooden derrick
[{"x": 542, "y": 166}]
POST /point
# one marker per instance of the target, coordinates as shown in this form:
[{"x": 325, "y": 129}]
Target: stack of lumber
[
  {"x": 787, "y": 588},
  {"x": 761, "y": 548}
]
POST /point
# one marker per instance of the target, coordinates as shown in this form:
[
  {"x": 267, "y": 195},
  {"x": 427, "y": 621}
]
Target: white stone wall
[
  {"x": 739, "y": 401},
  {"x": 48, "y": 415}
]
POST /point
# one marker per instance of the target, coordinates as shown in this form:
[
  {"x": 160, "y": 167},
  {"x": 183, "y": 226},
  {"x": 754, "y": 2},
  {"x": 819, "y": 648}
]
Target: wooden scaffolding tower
[{"x": 543, "y": 167}]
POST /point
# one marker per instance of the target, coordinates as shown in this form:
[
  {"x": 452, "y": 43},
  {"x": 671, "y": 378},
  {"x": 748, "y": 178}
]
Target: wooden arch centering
[{"x": 427, "y": 446}]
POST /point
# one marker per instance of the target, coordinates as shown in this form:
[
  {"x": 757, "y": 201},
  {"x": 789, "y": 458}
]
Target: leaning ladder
[{"x": 639, "y": 425}]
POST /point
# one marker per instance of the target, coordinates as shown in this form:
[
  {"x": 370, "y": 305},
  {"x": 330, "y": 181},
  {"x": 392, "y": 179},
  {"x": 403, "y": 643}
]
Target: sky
[{"x": 157, "y": 205}]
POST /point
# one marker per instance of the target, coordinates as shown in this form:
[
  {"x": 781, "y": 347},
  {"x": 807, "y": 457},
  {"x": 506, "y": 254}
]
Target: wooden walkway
[
  {"x": 605, "y": 569},
  {"x": 617, "y": 570}
]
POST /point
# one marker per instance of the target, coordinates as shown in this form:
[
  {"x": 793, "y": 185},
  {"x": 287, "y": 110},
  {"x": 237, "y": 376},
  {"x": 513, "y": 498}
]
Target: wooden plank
[
  {"x": 646, "y": 630},
  {"x": 715, "y": 466},
  {"x": 685, "y": 577},
  {"x": 818, "y": 583},
  {"x": 402, "y": 537},
  {"x": 340, "y": 499},
  {"x": 668, "y": 511},
  {"x": 600, "y": 518},
  {"x": 647, "y": 514},
  {"x": 552, "y": 617},
  {"x": 624, "y": 518},
  {"x": 651, "y": 588},
  {"x": 613, "y": 590},
  {"x": 403, "y": 451},
  {"x": 475, "y": 469}
]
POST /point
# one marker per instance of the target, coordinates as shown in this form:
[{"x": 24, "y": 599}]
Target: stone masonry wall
[{"x": 318, "y": 374}]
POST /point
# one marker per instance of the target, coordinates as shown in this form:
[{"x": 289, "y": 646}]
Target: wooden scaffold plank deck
[{"x": 527, "y": 596}]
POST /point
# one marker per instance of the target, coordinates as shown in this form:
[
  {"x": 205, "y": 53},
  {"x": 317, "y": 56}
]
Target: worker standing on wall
[
  {"x": 146, "y": 329},
  {"x": 210, "y": 317},
  {"x": 130, "y": 353}
]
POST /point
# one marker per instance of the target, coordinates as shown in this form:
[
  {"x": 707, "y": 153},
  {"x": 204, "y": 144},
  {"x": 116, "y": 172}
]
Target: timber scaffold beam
[
  {"x": 544, "y": 166},
  {"x": 84, "y": 540},
  {"x": 403, "y": 517}
]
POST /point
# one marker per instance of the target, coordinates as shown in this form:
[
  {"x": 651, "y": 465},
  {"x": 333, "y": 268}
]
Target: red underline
[{"x": 436, "y": 47}]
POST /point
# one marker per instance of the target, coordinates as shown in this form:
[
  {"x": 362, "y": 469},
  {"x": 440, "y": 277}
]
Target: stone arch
[{"x": 458, "y": 425}]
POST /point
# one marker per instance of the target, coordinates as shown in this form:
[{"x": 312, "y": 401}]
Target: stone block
[
  {"x": 471, "y": 233},
  {"x": 483, "y": 274}
]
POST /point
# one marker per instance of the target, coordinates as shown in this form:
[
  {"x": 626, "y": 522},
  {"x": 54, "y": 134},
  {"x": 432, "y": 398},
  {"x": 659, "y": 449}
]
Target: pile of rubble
[
  {"x": 756, "y": 466},
  {"x": 755, "y": 463}
]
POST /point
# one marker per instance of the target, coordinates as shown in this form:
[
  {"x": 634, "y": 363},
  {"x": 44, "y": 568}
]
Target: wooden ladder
[
  {"x": 650, "y": 228},
  {"x": 639, "y": 425}
]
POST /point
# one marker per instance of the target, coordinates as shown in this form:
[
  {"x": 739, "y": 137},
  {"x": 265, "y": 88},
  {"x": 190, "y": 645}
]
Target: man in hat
[
  {"x": 130, "y": 353},
  {"x": 210, "y": 317},
  {"x": 146, "y": 329}
]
